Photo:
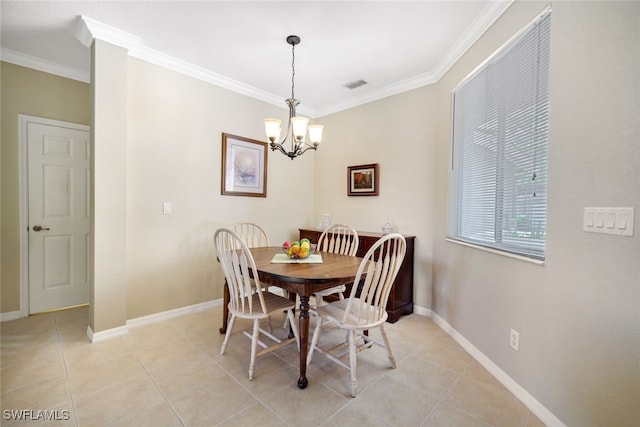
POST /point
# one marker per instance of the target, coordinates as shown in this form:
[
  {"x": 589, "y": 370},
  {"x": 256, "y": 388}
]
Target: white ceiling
[{"x": 393, "y": 45}]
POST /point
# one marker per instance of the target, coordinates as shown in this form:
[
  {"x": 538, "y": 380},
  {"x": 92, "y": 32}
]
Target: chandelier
[{"x": 297, "y": 126}]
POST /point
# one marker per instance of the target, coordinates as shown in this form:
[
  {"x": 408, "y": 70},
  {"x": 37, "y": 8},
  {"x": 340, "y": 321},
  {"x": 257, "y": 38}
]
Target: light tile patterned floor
[{"x": 172, "y": 374}]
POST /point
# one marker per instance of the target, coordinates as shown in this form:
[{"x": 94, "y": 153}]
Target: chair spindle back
[
  {"x": 339, "y": 239},
  {"x": 240, "y": 272},
  {"x": 251, "y": 234},
  {"x": 381, "y": 264}
]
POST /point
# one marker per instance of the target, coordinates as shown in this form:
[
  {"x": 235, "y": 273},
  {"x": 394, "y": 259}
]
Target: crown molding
[
  {"x": 188, "y": 69},
  {"x": 89, "y": 29},
  {"x": 491, "y": 12},
  {"x": 44, "y": 65},
  {"x": 380, "y": 93}
]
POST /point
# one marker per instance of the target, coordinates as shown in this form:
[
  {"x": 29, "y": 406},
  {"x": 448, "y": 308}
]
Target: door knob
[{"x": 40, "y": 228}]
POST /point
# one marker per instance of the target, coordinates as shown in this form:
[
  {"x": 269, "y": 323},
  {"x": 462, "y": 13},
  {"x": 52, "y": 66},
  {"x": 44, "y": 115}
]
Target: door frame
[{"x": 23, "y": 182}]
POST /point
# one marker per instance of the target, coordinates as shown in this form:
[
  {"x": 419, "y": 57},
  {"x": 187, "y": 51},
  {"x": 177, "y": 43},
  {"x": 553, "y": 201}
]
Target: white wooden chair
[
  {"x": 366, "y": 312},
  {"x": 251, "y": 234},
  {"x": 339, "y": 239},
  {"x": 247, "y": 299}
]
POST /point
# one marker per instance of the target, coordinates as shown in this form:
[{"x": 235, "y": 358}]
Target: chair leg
[
  {"x": 286, "y": 319},
  {"x": 254, "y": 347},
  {"x": 388, "y": 346},
  {"x": 269, "y": 327},
  {"x": 314, "y": 340},
  {"x": 352, "y": 361},
  {"x": 227, "y": 334},
  {"x": 292, "y": 321}
]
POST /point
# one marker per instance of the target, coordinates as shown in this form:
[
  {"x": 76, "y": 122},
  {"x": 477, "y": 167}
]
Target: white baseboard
[
  {"x": 527, "y": 399},
  {"x": 95, "y": 337},
  {"x": 165, "y": 315},
  {"x": 10, "y": 315},
  {"x": 422, "y": 311}
]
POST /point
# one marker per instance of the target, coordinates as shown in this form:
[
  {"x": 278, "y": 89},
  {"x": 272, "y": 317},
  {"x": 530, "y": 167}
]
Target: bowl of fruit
[{"x": 299, "y": 249}]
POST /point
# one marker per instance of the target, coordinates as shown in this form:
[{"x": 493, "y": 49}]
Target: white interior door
[{"x": 58, "y": 186}]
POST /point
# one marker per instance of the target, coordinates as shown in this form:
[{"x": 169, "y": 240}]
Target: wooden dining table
[{"x": 302, "y": 279}]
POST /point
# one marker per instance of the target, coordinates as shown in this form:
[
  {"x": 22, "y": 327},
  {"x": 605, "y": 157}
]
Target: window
[{"x": 497, "y": 188}]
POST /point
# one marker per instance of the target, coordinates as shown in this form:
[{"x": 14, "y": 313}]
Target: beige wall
[
  {"x": 109, "y": 141},
  {"x": 578, "y": 315},
  {"x": 30, "y": 92},
  {"x": 175, "y": 126},
  {"x": 398, "y": 133}
]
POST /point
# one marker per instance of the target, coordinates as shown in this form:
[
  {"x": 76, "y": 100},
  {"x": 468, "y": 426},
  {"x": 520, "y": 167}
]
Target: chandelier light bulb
[
  {"x": 315, "y": 134},
  {"x": 299, "y": 127},
  {"x": 272, "y": 129}
]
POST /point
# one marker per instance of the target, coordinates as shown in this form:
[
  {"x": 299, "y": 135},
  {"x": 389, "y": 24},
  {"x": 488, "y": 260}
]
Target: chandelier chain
[{"x": 293, "y": 68}]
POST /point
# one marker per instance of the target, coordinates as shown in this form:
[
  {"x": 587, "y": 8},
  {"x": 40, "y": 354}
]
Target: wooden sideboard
[{"x": 401, "y": 298}]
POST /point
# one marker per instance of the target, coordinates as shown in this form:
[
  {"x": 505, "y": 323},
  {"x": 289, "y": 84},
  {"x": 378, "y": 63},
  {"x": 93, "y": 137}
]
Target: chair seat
[
  {"x": 334, "y": 312},
  {"x": 331, "y": 291},
  {"x": 273, "y": 303}
]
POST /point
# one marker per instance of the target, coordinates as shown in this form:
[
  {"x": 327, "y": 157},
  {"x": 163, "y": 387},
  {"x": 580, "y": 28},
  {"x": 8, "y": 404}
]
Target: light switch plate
[
  {"x": 166, "y": 208},
  {"x": 617, "y": 221}
]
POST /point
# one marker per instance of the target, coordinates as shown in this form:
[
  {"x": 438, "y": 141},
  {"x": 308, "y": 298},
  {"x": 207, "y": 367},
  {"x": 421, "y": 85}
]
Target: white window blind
[{"x": 497, "y": 188}]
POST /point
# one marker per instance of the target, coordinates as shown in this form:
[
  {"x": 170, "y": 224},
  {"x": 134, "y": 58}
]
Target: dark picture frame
[
  {"x": 244, "y": 166},
  {"x": 363, "y": 180}
]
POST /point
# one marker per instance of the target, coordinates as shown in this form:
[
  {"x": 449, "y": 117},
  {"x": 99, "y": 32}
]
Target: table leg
[
  {"x": 225, "y": 308},
  {"x": 304, "y": 340}
]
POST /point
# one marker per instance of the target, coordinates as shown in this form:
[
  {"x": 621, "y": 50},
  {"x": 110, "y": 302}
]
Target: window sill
[{"x": 497, "y": 252}]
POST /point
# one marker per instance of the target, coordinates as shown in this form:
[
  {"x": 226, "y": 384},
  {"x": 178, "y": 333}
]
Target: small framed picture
[
  {"x": 244, "y": 166},
  {"x": 363, "y": 180}
]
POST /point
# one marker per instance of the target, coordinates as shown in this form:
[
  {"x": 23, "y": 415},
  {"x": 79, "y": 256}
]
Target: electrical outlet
[{"x": 514, "y": 340}]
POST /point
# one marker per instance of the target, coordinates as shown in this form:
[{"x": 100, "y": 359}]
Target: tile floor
[{"x": 171, "y": 373}]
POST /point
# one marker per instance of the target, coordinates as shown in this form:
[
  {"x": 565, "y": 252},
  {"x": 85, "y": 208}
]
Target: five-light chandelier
[{"x": 297, "y": 126}]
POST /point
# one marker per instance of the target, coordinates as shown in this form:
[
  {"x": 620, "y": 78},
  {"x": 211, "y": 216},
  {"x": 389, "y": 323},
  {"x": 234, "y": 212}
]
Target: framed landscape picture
[
  {"x": 244, "y": 166},
  {"x": 362, "y": 180}
]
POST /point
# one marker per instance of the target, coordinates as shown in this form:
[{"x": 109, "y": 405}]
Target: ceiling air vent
[{"x": 355, "y": 84}]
